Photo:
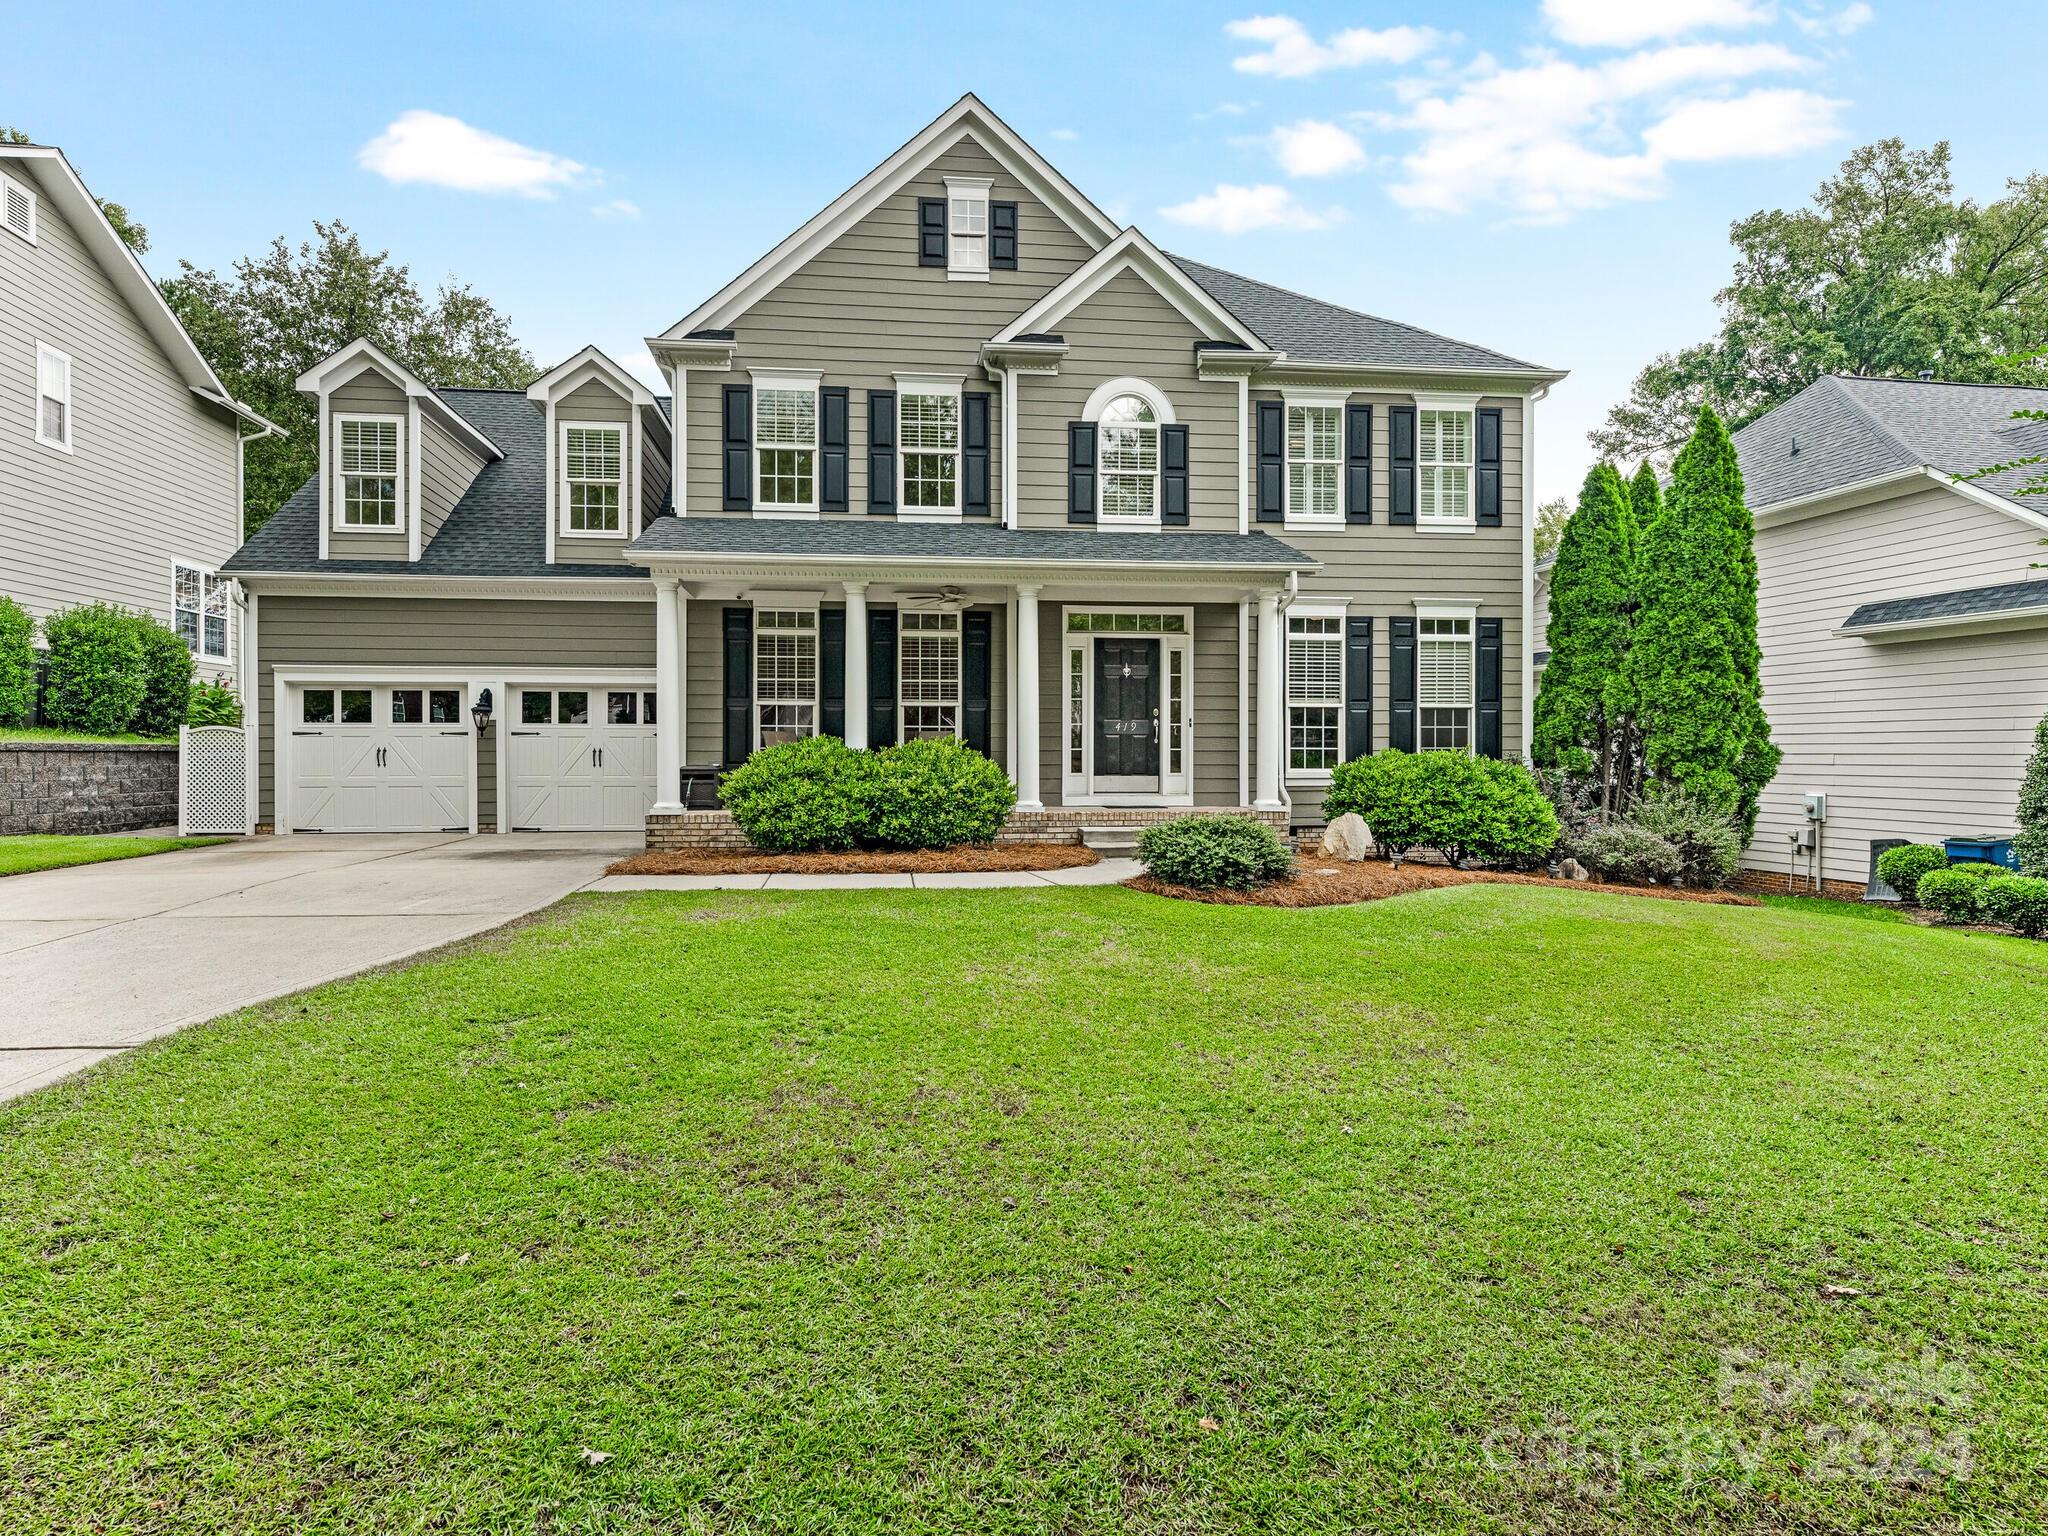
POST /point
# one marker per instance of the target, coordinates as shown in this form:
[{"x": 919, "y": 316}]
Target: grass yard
[
  {"x": 1491, "y": 1208},
  {"x": 25, "y": 855},
  {"x": 61, "y": 734}
]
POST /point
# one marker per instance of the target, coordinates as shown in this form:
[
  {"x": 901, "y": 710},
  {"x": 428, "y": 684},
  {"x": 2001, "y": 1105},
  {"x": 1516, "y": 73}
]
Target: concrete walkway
[{"x": 1108, "y": 872}]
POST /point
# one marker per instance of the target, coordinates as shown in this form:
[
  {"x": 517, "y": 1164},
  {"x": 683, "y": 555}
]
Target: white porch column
[
  {"x": 668, "y": 698},
  {"x": 857, "y": 695},
  {"x": 1272, "y": 701},
  {"x": 682, "y": 709},
  {"x": 1028, "y": 746}
]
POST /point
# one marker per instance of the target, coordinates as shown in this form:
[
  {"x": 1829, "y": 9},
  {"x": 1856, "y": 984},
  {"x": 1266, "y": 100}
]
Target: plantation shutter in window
[
  {"x": 1357, "y": 686},
  {"x": 881, "y": 450},
  {"x": 833, "y": 409},
  {"x": 881, "y": 677},
  {"x": 931, "y": 231},
  {"x": 738, "y": 434},
  {"x": 976, "y": 671},
  {"x": 1489, "y": 470},
  {"x": 974, "y": 461},
  {"x": 1401, "y": 684},
  {"x": 1002, "y": 236},
  {"x": 1272, "y": 461},
  {"x": 1080, "y": 471},
  {"x": 1173, "y": 476},
  {"x": 832, "y": 672},
  {"x": 1357, "y": 463},
  {"x": 739, "y": 684},
  {"x": 1488, "y": 742},
  {"x": 1401, "y": 465}
]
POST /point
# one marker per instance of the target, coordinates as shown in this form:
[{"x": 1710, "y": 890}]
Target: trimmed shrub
[
  {"x": 96, "y": 678},
  {"x": 936, "y": 794},
  {"x": 1955, "y": 893},
  {"x": 1706, "y": 838},
  {"x": 2018, "y": 901},
  {"x": 166, "y": 678},
  {"x": 1466, "y": 807},
  {"x": 1376, "y": 788},
  {"x": 1901, "y": 868},
  {"x": 1207, "y": 852},
  {"x": 213, "y": 703},
  {"x": 1517, "y": 825},
  {"x": 17, "y": 663},
  {"x": 1628, "y": 853},
  {"x": 802, "y": 796}
]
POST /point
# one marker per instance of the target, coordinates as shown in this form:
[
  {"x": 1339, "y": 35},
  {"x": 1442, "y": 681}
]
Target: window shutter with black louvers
[
  {"x": 737, "y": 432},
  {"x": 881, "y": 450},
  {"x": 1002, "y": 236},
  {"x": 1358, "y": 463},
  {"x": 1357, "y": 685},
  {"x": 881, "y": 677},
  {"x": 832, "y": 672},
  {"x": 931, "y": 231},
  {"x": 1401, "y": 465},
  {"x": 974, "y": 460},
  {"x": 1272, "y": 499},
  {"x": 1080, "y": 471},
  {"x": 1486, "y": 736},
  {"x": 1489, "y": 470},
  {"x": 976, "y": 673},
  {"x": 739, "y": 685},
  {"x": 1173, "y": 476},
  {"x": 833, "y": 408},
  {"x": 1401, "y": 684}
]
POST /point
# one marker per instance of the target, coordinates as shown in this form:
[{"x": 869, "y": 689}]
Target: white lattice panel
[{"x": 213, "y": 779}]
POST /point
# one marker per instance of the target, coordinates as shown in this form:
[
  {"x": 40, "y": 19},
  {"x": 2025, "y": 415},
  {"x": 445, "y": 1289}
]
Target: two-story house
[
  {"x": 960, "y": 457},
  {"x": 120, "y": 457}
]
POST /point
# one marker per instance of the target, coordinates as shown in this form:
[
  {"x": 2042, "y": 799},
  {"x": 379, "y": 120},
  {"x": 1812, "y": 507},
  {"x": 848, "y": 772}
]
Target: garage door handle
[
  {"x": 597, "y": 754},
  {"x": 309, "y": 733}
]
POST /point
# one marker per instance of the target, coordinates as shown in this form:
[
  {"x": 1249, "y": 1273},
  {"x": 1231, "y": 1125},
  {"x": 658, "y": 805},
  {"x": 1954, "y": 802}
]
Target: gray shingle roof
[
  {"x": 1309, "y": 330},
  {"x": 884, "y": 538},
  {"x": 1969, "y": 603}
]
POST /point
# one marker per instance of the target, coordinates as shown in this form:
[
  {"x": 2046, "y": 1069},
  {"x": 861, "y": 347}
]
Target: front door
[{"x": 1126, "y": 713}]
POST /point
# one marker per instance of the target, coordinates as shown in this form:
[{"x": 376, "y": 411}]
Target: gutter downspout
[{"x": 1287, "y": 596}]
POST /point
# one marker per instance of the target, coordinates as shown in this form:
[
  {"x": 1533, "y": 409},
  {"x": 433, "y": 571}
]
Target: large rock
[
  {"x": 1572, "y": 869},
  {"x": 1346, "y": 838}
]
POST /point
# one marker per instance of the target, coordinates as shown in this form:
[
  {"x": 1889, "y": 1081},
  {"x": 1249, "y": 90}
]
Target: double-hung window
[
  {"x": 1443, "y": 468},
  {"x": 928, "y": 674},
  {"x": 1443, "y": 684},
  {"x": 199, "y": 610},
  {"x": 368, "y": 451},
  {"x": 786, "y": 446},
  {"x": 967, "y": 226},
  {"x": 1128, "y": 460},
  {"x": 594, "y": 478},
  {"x": 1315, "y": 692},
  {"x": 1315, "y": 435},
  {"x": 785, "y": 675},
  {"x": 53, "y": 398},
  {"x": 928, "y": 431}
]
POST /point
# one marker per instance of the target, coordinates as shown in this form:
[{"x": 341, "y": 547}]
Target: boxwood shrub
[
  {"x": 1466, "y": 807},
  {"x": 1956, "y": 893},
  {"x": 1375, "y": 788},
  {"x": 96, "y": 674},
  {"x": 213, "y": 703},
  {"x": 17, "y": 663},
  {"x": 2017, "y": 901},
  {"x": 1232, "y": 853},
  {"x": 1901, "y": 867},
  {"x": 937, "y": 794},
  {"x": 166, "y": 678},
  {"x": 802, "y": 796}
]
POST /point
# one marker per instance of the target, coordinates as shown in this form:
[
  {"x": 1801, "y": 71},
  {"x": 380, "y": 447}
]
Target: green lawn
[
  {"x": 25, "y": 855},
  {"x": 54, "y": 733},
  {"x": 1492, "y": 1208}
]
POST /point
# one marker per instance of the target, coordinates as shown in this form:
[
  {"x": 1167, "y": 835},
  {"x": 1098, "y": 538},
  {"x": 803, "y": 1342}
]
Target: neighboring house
[
  {"x": 1903, "y": 618},
  {"x": 120, "y": 450},
  {"x": 960, "y": 457}
]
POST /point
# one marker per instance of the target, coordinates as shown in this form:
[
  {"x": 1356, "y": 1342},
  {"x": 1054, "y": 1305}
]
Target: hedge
[
  {"x": 1467, "y": 807},
  {"x": 1903, "y": 867},
  {"x": 166, "y": 678},
  {"x": 2017, "y": 901},
  {"x": 802, "y": 796},
  {"x": 17, "y": 663},
  {"x": 936, "y": 794},
  {"x": 97, "y": 682},
  {"x": 1207, "y": 852}
]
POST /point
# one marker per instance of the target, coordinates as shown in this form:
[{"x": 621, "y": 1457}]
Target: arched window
[{"x": 1128, "y": 460}]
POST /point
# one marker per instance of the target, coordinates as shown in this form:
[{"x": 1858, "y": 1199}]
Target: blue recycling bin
[{"x": 1981, "y": 850}]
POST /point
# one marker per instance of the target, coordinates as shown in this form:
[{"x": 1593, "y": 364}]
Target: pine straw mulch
[
  {"x": 966, "y": 859},
  {"x": 1320, "y": 882}
]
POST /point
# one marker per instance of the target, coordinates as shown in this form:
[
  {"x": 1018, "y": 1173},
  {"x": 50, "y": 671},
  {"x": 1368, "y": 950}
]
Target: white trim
[
  {"x": 1144, "y": 389},
  {"x": 324, "y": 377},
  {"x": 1131, "y": 252},
  {"x": 1292, "y": 398},
  {"x": 209, "y": 576},
  {"x": 625, "y": 530},
  {"x": 416, "y": 496},
  {"x": 957, "y": 636},
  {"x": 574, "y": 372},
  {"x": 1104, "y": 396},
  {"x": 1858, "y": 493},
  {"x": 1244, "y": 701},
  {"x": 68, "y": 443},
  {"x": 2033, "y": 616},
  {"x": 1088, "y": 788},
  {"x": 969, "y": 189},
  {"x": 930, "y": 386},
  {"x": 679, "y": 439},
  {"x": 1429, "y": 609},
  {"x": 1244, "y": 468},
  {"x": 324, "y": 477},
  {"x": 402, "y": 505},
  {"x": 1533, "y": 633},
  {"x": 1011, "y": 406},
  {"x": 617, "y": 589},
  {"x": 11, "y": 184},
  {"x": 1466, "y": 406},
  {"x": 250, "y": 682},
  {"x": 789, "y": 381}
]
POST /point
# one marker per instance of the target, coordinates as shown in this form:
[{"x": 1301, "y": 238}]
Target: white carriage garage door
[
  {"x": 582, "y": 759},
  {"x": 397, "y": 758}
]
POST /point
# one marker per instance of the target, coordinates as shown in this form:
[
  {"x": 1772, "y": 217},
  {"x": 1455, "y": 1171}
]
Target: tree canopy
[{"x": 133, "y": 235}]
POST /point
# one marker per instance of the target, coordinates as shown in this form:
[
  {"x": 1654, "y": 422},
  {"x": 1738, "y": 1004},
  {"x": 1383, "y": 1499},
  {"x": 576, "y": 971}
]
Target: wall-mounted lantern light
[{"x": 480, "y": 711}]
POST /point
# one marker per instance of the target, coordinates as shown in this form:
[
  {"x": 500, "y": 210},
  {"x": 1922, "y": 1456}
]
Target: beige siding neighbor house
[{"x": 959, "y": 457}]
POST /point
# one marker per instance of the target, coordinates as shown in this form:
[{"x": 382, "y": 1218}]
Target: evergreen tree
[
  {"x": 1645, "y": 497},
  {"x": 1585, "y": 714},
  {"x": 1695, "y": 657},
  {"x": 2032, "y": 843}
]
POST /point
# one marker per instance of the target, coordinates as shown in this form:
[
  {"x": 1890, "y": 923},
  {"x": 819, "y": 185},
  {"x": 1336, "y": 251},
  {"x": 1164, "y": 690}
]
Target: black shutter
[
  {"x": 832, "y": 672},
  {"x": 1272, "y": 461},
  {"x": 976, "y": 669},
  {"x": 1173, "y": 476},
  {"x": 1357, "y": 686},
  {"x": 974, "y": 438},
  {"x": 881, "y": 450},
  {"x": 1080, "y": 471},
  {"x": 1401, "y": 684},
  {"x": 1002, "y": 236},
  {"x": 1401, "y": 465},
  {"x": 739, "y": 685},
  {"x": 1489, "y": 471},
  {"x": 931, "y": 231},
  {"x": 1488, "y": 693},
  {"x": 1357, "y": 463},
  {"x": 738, "y": 435},
  {"x": 833, "y": 408},
  {"x": 881, "y": 677}
]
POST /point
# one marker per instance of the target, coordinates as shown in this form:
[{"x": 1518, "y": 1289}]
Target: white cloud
[
  {"x": 441, "y": 151},
  {"x": 1850, "y": 18},
  {"x": 1626, "y": 23},
  {"x": 1064, "y": 135},
  {"x": 617, "y": 208},
  {"x": 1291, "y": 52},
  {"x": 1310, "y": 148},
  {"x": 1234, "y": 210},
  {"x": 1223, "y": 109},
  {"x": 1761, "y": 123}
]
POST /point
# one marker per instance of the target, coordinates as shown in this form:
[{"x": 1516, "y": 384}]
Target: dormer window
[
  {"x": 967, "y": 226},
  {"x": 367, "y": 456},
  {"x": 594, "y": 478},
  {"x": 17, "y": 209}
]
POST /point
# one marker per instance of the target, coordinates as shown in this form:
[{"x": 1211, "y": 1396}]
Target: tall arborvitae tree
[
  {"x": 1645, "y": 497},
  {"x": 1585, "y": 711},
  {"x": 1695, "y": 656},
  {"x": 2032, "y": 843}
]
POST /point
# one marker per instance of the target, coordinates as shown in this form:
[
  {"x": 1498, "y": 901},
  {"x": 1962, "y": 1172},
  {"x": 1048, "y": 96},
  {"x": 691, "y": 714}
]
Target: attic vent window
[{"x": 18, "y": 209}]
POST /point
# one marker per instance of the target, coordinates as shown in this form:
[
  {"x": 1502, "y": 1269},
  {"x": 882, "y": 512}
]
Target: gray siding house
[
  {"x": 1903, "y": 614},
  {"x": 958, "y": 457},
  {"x": 120, "y": 459}
]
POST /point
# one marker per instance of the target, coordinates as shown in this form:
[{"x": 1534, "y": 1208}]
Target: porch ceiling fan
[{"x": 942, "y": 597}]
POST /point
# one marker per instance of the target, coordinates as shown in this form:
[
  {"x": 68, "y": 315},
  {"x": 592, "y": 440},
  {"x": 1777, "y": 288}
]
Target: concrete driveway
[{"x": 96, "y": 959}]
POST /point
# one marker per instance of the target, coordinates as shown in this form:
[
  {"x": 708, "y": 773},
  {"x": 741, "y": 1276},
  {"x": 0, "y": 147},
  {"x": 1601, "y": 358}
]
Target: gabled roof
[
  {"x": 591, "y": 362},
  {"x": 363, "y": 354},
  {"x": 1130, "y": 252}
]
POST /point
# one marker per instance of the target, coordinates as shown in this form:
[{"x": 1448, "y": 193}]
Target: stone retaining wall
[
  {"x": 84, "y": 787},
  {"x": 716, "y": 829}
]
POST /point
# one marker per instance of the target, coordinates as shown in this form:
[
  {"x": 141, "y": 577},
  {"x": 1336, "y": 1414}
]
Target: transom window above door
[
  {"x": 368, "y": 450},
  {"x": 786, "y": 445},
  {"x": 594, "y": 478}
]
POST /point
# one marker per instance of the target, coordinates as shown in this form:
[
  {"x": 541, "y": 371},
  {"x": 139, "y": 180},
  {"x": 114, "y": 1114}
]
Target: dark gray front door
[{"x": 1126, "y": 709}]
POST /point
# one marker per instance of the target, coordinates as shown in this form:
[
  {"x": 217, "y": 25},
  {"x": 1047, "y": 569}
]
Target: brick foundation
[
  {"x": 84, "y": 787},
  {"x": 717, "y": 831},
  {"x": 1763, "y": 882}
]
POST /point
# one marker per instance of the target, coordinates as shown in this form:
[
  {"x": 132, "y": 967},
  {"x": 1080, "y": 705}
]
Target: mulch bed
[
  {"x": 1319, "y": 882},
  {"x": 930, "y": 861}
]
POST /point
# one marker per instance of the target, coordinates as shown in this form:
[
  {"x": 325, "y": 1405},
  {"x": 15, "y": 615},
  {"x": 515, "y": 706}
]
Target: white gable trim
[
  {"x": 1861, "y": 493},
  {"x": 966, "y": 117},
  {"x": 585, "y": 365},
  {"x": 324, "y": 377},
  {"x": 1131, "y": 252}
]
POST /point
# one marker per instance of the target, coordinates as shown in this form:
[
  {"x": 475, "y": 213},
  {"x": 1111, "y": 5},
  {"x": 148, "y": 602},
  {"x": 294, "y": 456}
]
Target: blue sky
[{"x": 1553, "y": 178}]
